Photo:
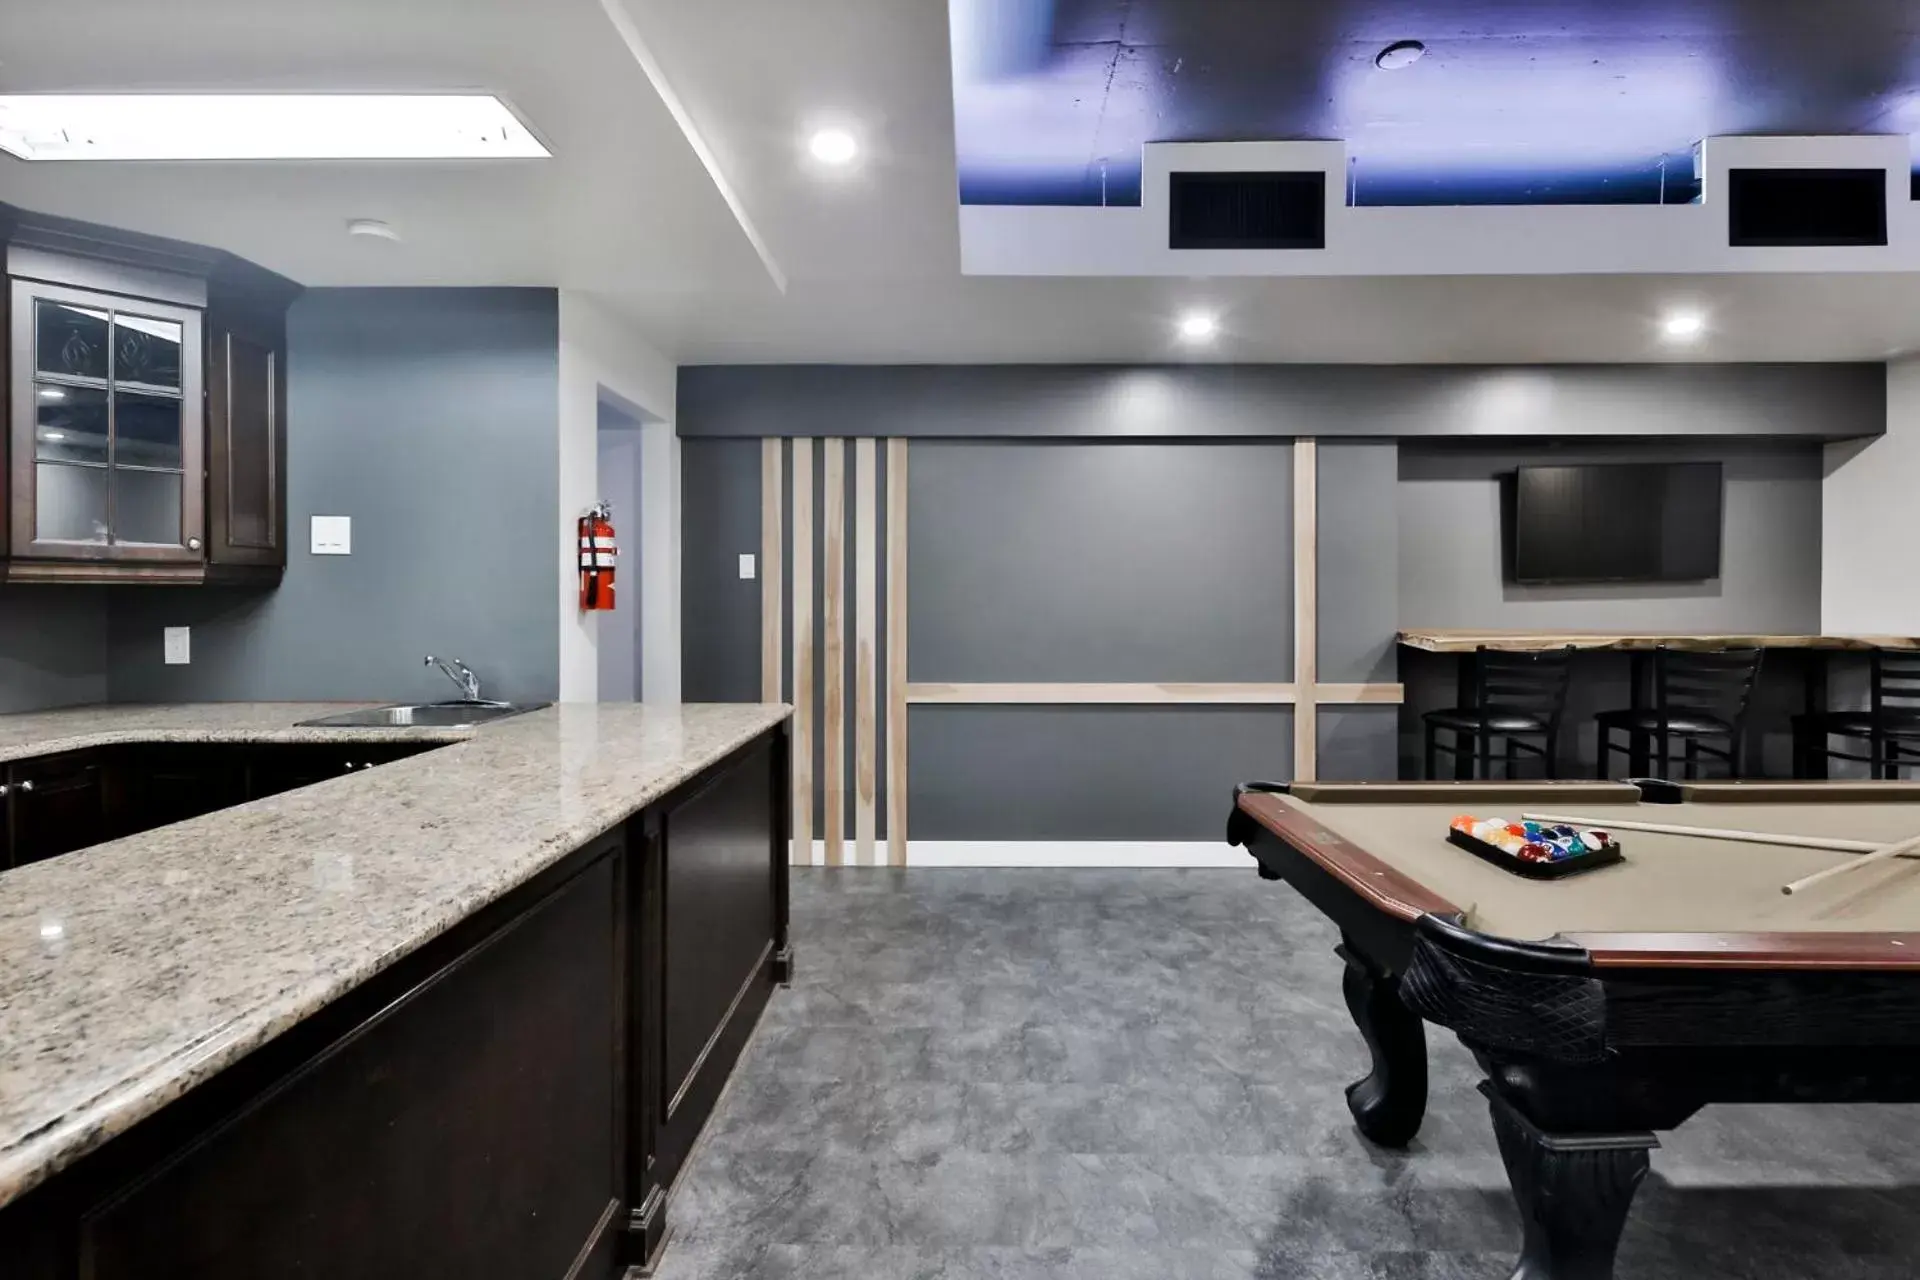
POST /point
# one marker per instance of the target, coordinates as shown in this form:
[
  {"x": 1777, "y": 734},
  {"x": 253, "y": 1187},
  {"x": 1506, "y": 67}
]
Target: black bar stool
[
  {"x": 1517, "y": 697},
  {"x": 1890, "y": 726},
  {"x": 1700, "y": 700}
]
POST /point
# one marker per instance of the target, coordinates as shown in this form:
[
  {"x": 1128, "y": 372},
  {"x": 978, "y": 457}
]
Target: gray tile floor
[{"x": 1112, "y": 1074}]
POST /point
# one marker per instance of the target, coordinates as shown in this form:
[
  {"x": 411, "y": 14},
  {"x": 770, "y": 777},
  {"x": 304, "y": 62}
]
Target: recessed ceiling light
[
  {"x": 1198, "y": 326},
  {"x": 292, "y": 126},
  {"x": 1400, "y": 54},
  {"x": 1683, "y": 326},
  {"x": 833, "y": 146},
  {"x": 52, "y": 393},
  {"x": 373, "y": 229}
]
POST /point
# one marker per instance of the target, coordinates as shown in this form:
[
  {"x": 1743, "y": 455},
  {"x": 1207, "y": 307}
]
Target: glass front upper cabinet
[{"x": 107, "y": 434}]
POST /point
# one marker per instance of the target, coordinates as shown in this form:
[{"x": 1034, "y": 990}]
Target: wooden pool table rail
[
  {"x": 1444, "y": 641},
  {"x": 1403, "y": 898}
]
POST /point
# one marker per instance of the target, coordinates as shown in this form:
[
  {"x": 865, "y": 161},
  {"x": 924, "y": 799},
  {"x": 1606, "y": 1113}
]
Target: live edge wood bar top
[
  {"x": 133, "y": 971},
  {"x": 1626, "y": 641},
  {"x": 1675, "y": 901}
]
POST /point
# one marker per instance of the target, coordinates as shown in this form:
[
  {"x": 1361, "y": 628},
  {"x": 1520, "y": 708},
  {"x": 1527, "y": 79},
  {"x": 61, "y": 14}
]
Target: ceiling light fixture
[
  {"x": 1198, "y": 326},
  {"x": 263, "y": 126},
  {"x": 53, "y": 435},
  {"x": 1400, "y": 54},
  {"x": 1683, "y": 326},
  {"x": 833, "y": 146},
  {"x": 52, "y": 393},
  {"x": 372, "y": 229}
]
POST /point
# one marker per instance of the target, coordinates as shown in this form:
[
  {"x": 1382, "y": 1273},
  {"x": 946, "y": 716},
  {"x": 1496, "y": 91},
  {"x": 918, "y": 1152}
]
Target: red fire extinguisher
[{"x": 597, "y": 554}]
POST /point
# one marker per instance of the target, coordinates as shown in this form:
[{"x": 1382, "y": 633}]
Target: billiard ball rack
[{"x": 1592, "y": 860}]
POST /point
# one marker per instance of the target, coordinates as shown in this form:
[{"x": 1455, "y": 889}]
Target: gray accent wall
[
  {"x": 1810, "y": 401},
  {"x": 1101, "y": 561},
  {"x": 53, "y": 646},
  {"x": 431, "y": 417},
  {"x": 1450, "y": 571},
  {"x": 1087, "y": 773},
  {"x": 1359, "y": 582},
  {"x": 1450, "y": 543},
  {"x": 719, "y": 613}
]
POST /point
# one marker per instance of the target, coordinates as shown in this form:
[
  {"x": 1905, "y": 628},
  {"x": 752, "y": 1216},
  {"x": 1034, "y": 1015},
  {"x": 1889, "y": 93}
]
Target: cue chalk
[{"x": 1882, "y": 854}]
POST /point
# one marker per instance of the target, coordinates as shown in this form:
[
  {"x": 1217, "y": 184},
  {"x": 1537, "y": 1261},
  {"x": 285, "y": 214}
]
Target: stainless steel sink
[{"x": 425, "y": 715}]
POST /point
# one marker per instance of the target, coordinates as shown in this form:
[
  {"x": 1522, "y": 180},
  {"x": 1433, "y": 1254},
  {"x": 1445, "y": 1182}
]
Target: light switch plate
[
  {"x": 746, "y": 567},
  {"x": 178, "y": 643},
  {"x": 333, "y": 535}
]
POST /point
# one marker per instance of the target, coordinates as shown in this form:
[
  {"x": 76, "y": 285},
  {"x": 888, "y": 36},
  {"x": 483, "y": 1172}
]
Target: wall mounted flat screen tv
[{"x": 1615, "y": 523}]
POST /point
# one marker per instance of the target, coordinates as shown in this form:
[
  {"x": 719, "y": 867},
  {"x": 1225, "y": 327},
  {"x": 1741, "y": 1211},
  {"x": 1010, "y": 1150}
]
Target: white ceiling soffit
[
  {"x": 1442, "y": 239},
  {"x": 623, "y": 207},
  {"x": 657, "y": 76}
]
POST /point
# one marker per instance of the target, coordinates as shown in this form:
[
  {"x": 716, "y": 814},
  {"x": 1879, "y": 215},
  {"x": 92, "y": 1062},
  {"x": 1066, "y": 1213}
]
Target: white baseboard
[{"x": 1057, "y": 853}]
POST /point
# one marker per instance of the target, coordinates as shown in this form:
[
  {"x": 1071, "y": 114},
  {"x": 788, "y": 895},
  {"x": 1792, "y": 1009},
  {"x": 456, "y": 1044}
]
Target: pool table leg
[
  {"x": 1573, "y": 1193},
  {"x": 1389, "y": 1103}
]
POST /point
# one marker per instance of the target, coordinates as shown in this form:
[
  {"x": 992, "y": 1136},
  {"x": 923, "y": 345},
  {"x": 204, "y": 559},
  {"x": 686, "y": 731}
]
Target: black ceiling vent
[
  {"x": 1800, "y": 207},
  {"x": 1248, "y": 211}
]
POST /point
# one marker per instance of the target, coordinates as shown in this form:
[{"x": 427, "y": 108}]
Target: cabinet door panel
[
  {"x": 56, "y": 806},
  {"x": 718, "y": 917},
  {"x": 168, "y": 784},
  {"x": 469, "y": 1130},
  {"x": 246, "y": 433},
  {"x": 73, "y": 351}
]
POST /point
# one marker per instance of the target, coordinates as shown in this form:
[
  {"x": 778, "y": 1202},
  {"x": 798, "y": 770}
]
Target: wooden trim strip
[
  {"x": 1306, "y": 609},
  {"x": 1465, "y": 793},
  {"x": 772, "y": 574},
  {"x": 1442, "y": 641},
  {"x": 1360, "y": 694},
  {"x": 866, "y": 554},
  {"x": 1804, "y": 791},
  {"x": 833, "y": 711},
  {"x": 1114, "y": 694},
  {"x": 897, "y": 653},
  {"x": 803, "y": 706},
  {"x": 1244, "y": 693},
  {"x": 1768, "y": 951}
]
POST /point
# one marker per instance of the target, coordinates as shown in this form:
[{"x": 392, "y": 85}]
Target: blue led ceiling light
[{"x": 1054, "y": 99}]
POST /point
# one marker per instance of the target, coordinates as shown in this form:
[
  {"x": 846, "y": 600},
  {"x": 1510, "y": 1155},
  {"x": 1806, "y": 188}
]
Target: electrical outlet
[
  {"x": 178, "y": 643},
  {"x": 746, "y": 567}
]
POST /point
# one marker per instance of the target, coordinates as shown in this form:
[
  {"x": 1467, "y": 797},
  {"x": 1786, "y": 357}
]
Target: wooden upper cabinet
[
  {"x": 146, "y": 408},
  {"x": 107, "y": 435},
  {"x": 246, "y": 443}
]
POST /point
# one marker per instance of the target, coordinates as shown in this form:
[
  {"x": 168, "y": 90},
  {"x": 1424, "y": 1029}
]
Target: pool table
[{"x": 1618, "y": 1001}]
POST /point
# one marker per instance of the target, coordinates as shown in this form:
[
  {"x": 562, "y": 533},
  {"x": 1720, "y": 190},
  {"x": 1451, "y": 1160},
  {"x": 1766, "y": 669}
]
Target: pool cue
[
  {"x": 1709, "y": 833},
  {"x": 1882, "y": 854}
]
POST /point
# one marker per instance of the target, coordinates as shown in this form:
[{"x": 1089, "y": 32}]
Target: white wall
[
  {"x": 603, "y": 359},
  {"x": 1869, "y": 577}
]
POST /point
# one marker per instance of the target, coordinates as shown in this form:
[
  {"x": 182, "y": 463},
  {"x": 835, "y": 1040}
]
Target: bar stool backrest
[
  {"x": 1896, "y": 681},
  {"x": 1533, "y": 684},
  {"x": 1718, "y": 684}
]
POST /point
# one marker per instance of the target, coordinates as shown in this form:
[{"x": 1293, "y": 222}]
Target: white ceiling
[{"x": 626, "y": 209}]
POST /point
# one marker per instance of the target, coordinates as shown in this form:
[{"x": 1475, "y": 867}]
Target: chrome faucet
[{"x": 461, "y": 674}]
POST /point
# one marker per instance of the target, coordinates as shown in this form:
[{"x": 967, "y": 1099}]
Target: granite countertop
[
  {"x": 133, "y": 970},
  {"x": 40, "y": 733}
]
